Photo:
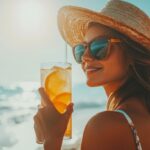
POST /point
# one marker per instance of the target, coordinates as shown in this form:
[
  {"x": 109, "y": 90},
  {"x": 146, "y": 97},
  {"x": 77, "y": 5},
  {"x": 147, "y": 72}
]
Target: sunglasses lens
[
  {"x": 98, "y": 48},
  {"x": 78, "y": 52}
]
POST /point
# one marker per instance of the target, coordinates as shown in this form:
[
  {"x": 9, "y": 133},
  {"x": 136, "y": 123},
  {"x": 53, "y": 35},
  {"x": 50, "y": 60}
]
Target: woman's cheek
[{"x": 83, "y": 66}]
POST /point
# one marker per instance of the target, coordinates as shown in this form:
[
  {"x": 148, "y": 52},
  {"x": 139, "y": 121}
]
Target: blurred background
[{"x": 28, "y": 37}]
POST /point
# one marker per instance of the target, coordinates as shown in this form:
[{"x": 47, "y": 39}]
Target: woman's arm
[
  {"x": 51, "y": 124},
  {"x": 53, "y": 144}
]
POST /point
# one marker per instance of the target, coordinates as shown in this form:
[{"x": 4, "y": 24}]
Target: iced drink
[{"x": 56, "y": 79}]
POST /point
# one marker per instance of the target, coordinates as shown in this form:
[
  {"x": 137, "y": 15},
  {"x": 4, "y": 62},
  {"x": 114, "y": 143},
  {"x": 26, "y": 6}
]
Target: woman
[{"x": 113, "y": 48}]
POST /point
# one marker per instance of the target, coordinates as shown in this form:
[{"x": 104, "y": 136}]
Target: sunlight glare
[{"x": 29, "y": 18}]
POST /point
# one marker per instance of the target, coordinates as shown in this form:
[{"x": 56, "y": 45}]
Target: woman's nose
[{"x": 86, "y": 56}]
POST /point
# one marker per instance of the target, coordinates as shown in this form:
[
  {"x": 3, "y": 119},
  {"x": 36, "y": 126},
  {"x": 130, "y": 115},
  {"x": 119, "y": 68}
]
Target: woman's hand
[{"x": 48, "y": 121}]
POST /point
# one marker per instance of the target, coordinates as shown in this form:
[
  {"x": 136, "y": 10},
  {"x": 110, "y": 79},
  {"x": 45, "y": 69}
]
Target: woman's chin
[{"x": 92, "y": 84}]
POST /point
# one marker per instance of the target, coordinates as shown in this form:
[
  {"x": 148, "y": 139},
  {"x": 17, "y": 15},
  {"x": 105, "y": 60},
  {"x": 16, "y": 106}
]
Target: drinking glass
[{"x": 56, "y": 80}]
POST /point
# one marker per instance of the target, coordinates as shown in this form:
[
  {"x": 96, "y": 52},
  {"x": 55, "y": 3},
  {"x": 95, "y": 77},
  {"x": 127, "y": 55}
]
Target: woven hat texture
[{"x": 117, "y": 14}]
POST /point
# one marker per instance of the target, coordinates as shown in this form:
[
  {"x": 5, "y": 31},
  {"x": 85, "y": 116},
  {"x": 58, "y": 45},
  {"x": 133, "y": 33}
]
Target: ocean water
[{"x": 18, "y": 105}]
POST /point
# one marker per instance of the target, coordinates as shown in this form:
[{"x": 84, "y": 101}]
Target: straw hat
[{"x": 117, "y": 14}]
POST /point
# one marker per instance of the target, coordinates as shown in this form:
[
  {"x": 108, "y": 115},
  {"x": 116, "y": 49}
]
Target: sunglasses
[{"x": 98, "y": 48}]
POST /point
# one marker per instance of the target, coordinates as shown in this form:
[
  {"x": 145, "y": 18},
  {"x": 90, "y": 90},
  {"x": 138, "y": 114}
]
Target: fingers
[
  {"x": 40, "y": 125},
  {"x": 47, "y": 102},
  {"x": 51, "y": 106},
  {"x": 70, "y": 107},
  {"x": 69, "y": 110},
  {"x": 46, "y": 121},
  {"x": 45, "y": 97},
  {"x": 38, "y": 131}
]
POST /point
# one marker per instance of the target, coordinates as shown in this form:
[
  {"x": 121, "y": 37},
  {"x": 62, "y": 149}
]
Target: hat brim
[{"x": 73, "y": 23}]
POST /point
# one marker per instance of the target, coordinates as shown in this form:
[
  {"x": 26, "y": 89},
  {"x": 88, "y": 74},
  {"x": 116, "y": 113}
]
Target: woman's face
[{"x": 114, "y": 66}]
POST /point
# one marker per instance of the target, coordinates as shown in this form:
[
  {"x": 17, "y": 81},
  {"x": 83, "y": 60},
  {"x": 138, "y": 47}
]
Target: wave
[
  {"x": 18, "y": 104},
  {"x": 83, "y": 105},
  {"x": 7, "y": 139},
  {"x": 10, "y": 91}
]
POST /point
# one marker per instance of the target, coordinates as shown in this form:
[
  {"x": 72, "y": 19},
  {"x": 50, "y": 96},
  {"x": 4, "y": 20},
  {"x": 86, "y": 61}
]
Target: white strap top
[{"x": 134, "y": 131}]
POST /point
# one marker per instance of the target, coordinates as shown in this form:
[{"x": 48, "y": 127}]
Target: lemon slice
[
  {"x": 61, "y": 101},
  {"x": 58, "y": 81}
]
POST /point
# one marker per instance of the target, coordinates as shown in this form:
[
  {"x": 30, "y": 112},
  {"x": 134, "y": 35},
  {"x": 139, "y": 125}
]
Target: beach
[{"x": 18, "y": 105}]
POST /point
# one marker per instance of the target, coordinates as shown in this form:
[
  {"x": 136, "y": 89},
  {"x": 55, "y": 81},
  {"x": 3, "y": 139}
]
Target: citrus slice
[
  {"x": 58, "y": 82},
  {"x": 63, "y": 97},
  {"x": 61, "y": 107},
  {"x": 61, "y": 101}
]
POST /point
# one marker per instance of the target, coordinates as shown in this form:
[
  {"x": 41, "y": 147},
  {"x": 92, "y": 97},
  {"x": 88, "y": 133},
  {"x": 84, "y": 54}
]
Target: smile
[{"x": 92, "y": 70}]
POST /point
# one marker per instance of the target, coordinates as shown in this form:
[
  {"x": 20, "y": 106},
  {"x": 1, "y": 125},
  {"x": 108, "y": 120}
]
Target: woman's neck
[{"x": 110, "y": 88}]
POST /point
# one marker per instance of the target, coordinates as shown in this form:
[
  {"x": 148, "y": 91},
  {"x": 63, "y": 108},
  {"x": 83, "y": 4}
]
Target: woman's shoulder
[
  {"x": 106, "y": 119},
  {"x": 106, "y": 130}
]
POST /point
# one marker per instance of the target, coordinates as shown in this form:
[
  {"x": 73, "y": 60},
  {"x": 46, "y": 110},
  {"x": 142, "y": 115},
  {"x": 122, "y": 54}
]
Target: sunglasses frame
[{"x": 87, "y": 46}]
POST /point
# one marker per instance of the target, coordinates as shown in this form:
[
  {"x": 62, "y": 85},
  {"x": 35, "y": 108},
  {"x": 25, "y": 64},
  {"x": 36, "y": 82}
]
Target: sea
[{"x": 18, "y": 105}]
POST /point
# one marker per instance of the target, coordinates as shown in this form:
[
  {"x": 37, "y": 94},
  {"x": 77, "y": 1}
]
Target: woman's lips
[{"x": 92, "y": 70}]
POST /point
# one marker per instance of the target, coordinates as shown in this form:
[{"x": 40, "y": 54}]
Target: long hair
[{"x": 138, "y": 83}]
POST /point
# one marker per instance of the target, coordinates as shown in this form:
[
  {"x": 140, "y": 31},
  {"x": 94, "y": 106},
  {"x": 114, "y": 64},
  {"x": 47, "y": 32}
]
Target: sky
[{"x": 29, "y": 36}]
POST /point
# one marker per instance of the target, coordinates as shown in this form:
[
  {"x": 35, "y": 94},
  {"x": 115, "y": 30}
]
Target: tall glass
[{"x": 56, "y": 79}]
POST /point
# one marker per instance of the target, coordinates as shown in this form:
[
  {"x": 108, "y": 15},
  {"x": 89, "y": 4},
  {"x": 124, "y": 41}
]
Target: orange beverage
[{"x": 56, "y": 79}]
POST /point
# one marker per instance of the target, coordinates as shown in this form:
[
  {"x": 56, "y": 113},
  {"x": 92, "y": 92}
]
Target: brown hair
[{"x": 138, "y": 82}]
